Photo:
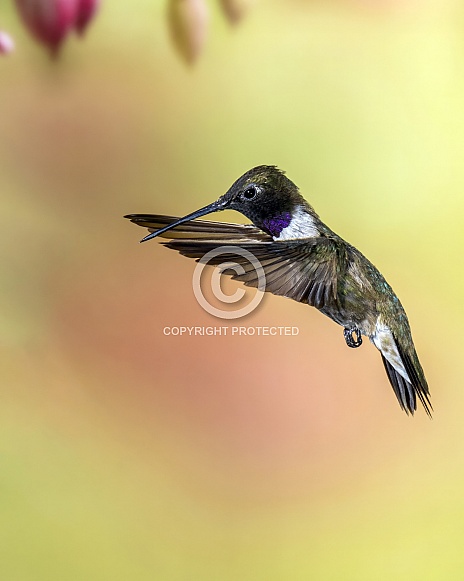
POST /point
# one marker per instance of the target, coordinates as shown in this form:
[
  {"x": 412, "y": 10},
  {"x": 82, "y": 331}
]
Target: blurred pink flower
[
  {"x": 85, "y": 12},
  {"x": 50, "y": 21},
  {"x": 6, "y": 43}
]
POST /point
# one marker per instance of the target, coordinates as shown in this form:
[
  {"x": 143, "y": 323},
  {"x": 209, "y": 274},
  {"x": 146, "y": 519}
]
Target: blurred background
[{"x": 126, "y": 454}]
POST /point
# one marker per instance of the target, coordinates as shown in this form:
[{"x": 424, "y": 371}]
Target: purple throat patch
[{"x": 275, "y": 225}]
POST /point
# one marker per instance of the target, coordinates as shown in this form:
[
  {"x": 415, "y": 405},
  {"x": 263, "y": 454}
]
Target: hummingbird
[{"x": 303, "y": 259}]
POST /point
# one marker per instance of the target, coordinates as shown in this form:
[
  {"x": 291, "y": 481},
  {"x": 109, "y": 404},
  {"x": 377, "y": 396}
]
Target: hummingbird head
[{"x": 269, "y": 199}]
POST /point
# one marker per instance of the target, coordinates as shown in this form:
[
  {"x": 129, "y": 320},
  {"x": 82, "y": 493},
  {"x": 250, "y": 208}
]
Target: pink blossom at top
[
  {"x": 6, "y": 43},
  {"x": 86, "y": 11},
  {"x": 50, "y": 21}
]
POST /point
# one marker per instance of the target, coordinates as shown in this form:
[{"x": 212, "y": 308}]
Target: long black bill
[{"x": 214, "y": 207}]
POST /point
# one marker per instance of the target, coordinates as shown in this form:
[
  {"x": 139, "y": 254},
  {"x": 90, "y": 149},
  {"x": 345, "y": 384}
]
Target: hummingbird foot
[{"x": 353, "y": 341}]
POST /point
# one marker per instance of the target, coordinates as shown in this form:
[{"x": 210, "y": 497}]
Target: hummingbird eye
[{"x": 250, "y": 193}]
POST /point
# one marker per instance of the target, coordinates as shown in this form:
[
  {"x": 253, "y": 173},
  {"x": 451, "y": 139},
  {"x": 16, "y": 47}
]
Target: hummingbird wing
[
  {"x": 303, "y": 270},
  {"x": 198, "y": 228},
  {"x": 305, "y": 273}
]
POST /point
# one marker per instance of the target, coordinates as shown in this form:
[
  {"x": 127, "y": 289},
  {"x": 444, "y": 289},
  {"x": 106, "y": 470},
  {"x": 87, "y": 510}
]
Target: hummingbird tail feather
[
  {"x": 406, "y": 377},
  {"x": 417, "y": 377},
  {"x": 402, "y": 388}
]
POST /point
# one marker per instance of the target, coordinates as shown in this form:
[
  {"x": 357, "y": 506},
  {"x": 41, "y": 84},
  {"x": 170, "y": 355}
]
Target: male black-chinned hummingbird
[{"x": 303, "y": 259}]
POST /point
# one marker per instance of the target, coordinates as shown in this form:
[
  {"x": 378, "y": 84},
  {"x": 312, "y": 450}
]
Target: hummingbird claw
[{"x": 350, "y": 340}]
